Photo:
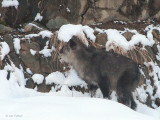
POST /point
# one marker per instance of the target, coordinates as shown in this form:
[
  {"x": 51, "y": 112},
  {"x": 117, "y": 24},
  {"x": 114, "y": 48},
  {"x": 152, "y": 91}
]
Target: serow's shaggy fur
[{"x": 106, "y": 70}]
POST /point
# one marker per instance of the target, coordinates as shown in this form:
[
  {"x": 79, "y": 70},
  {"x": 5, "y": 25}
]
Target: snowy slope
[
  {"x": 66, "y": 108},
  {"x": 20, "y": 103}
]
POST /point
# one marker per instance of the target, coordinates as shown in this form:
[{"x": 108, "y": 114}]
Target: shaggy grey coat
[{"x": 106, "y": 70}]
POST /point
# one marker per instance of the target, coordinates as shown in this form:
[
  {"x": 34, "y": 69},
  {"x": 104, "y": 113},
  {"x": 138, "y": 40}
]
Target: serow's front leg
[
  {"x": 93, "y": 89},
  {"x": 104, "y": 85}
]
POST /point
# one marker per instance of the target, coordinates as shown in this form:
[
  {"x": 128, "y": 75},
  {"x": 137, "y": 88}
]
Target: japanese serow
[{"x": 107, "y": 70}]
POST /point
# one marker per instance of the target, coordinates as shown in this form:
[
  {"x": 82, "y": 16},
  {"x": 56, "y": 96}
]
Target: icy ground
[
  {"x": 68, "y": 108},
  {"x": 20, "y": 103}
]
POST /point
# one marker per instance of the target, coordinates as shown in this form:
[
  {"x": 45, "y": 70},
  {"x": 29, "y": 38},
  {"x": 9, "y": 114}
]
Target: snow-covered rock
[
  {"x": 38, "y": 78},
  {"x": 17, "y": 45},
  {"x": 38, "y": 17},
  {"x": 55, "y": 77},
  {"x": 66, "y": 32},
  {"x": 4, "y": 50},
  {"x": 8, "y": 3}
]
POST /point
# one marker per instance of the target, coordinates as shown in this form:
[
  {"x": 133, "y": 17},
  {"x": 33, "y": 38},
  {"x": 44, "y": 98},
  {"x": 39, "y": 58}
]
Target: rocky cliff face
[{"x": 58, "y": 12}]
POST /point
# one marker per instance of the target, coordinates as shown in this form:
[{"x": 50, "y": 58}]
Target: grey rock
[
  {"x": 8, "y": 39},
  {"x": 154, "y": 49},
  {"x": 56, "y": 23},
  {"x": 156, "y": 34},
  {"x": 43, "y": 87},
  {"x": 4, "y": 28},
  {"x": 101, "y": 39},
  {"x": 30, "y": 83},
  {"x": 30, "y": 27},
  {"x": 30, "y": 61},
  {"x": 109, "y": 4},
  {"x": 34, "y": 26},
  {"x": 41, "y": 41},
  {"x": 157, "y": 102},
  {"x": 46, "y": 65},
  {"x": 128, "y": 35},
  {"x": 35, "y": 46},
  {"x": 15, "y": 58}
]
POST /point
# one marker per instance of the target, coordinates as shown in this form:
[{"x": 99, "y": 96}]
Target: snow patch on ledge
[
  {"x": 17, "y": 45},
  {"x": 114, "y": 36},
  {"x": 44, "y": 33},
  {"x": 71, "y": 79},
  {"x": 38, "y": 17},
  {"x": 46, "y": 51},
  {"x": 4, "y": 50},
  {"x": 55, "y": 77},
  {"x": 66, "y": 32},
  {"x": 38, "y": 78},
  {"x": 10, "y": 3},
  {"x": 33, "y": 52}
]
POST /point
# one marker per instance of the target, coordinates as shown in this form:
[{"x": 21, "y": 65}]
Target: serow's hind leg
[
  {"x": 133, "y": 103},
  {"x": 124, "y": 90},
  {"x": 127, "y": 99}
]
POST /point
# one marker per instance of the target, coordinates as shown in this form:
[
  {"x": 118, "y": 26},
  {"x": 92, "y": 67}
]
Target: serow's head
[{"x": 66, "y": 53}]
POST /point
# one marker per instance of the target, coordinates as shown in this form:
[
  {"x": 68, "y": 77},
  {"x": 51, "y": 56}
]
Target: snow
[
  {"x": 142, "y": 93},
  {"x": 18, "y": 102},
  {"x": 24, "y": 103},
  {"x": 33, "y": 52},
  {"x": 142, "y": 108},
  {"x": 17, "y": 45},
  {"x": 66, "y": 32},
  {"x": 31, "y": 35},
  {"x": 55, "y": 77},
  {"x": 20, "y": 76},
  {"x": 4, "y": 50},
  {"x": 139, "y": 38},
  {"x": 67, "y": 108},
  {"x": 100, "y": 31},
  {"x": 38, "y": 17},
  {"x": 121, "y": 22},
  {"x": 8, "y": 3},
  {"x": 16, "y": 74},
  {"x": 45, "y": 33},
  {"x": 73, "y": 79},
  {"x": 68, "y": 10},
  {"x": 29, "y": 71},
  {"x": 89, "y": 32},
  {"x": 114, "y": 36},
  {"x": 47, "y": 52},
  {"x": 38, "y": 78},
  {"x": 32, "y": 24}
]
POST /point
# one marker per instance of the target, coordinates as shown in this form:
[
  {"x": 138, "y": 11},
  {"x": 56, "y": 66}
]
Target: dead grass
[
  {"x": 58, "y": 45},
  {"x": 137, "y": 54}
]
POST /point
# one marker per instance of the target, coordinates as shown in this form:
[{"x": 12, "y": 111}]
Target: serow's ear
[{"x": 72, "y": 44}]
